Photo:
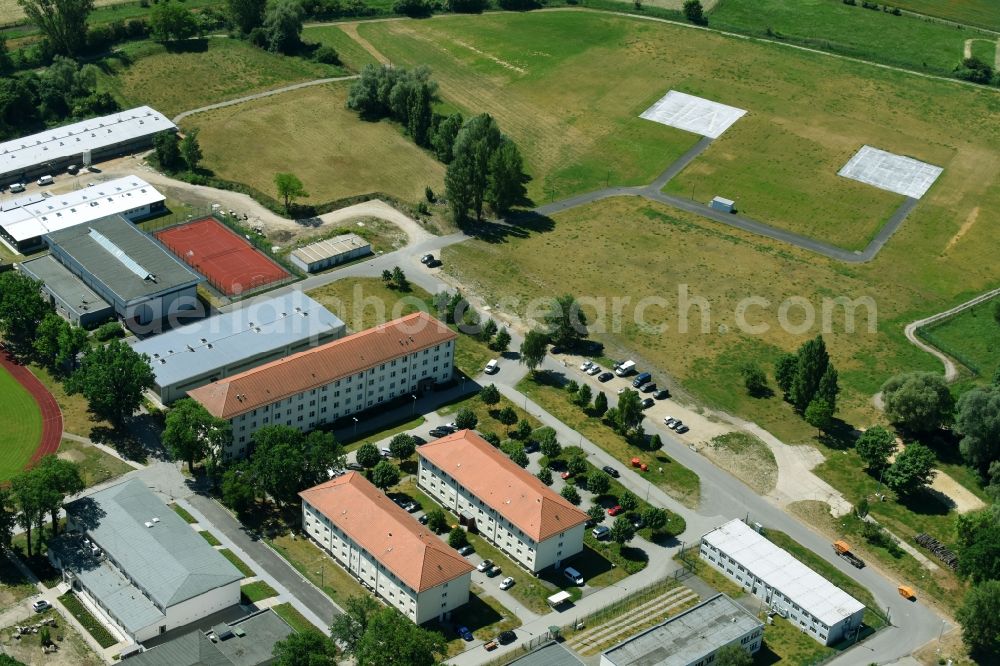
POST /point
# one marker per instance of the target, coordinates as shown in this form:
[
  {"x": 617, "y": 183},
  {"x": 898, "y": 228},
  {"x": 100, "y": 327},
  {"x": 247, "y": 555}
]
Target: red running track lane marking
[{"x": 52, "y": 422}]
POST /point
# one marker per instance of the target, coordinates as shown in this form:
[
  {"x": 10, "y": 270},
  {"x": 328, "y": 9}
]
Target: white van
[
  {"x": 573, "y": 575},
  {"x": 17, "y": 187},
  {"x": 625, "y": 368},
  {"x": 492, "y": 367},
  {"x": 45, "y": 180}
]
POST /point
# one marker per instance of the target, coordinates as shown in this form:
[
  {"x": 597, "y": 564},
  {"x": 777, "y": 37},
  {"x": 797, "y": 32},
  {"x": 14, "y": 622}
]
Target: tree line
[{"x": 34, "y": 496}]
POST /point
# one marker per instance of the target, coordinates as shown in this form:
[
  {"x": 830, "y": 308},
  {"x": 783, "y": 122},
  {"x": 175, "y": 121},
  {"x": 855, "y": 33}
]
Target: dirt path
[
  {"x": 267, "y": 93},
  {"x": 352, "y": 31}
]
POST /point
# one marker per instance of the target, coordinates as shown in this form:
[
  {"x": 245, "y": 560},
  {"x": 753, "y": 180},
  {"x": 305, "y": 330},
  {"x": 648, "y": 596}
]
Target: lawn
[
  {"x": 352, "y": 442},
  {"x": 830, "y": 25},
  {"x": 20, "y": 426},
  {"x": 293, "y": 617},
  {"x": 95, "y": 465},
  {"x": 14, "y": 586},
  {"x": 257, "y": 591},
  {"x": 972, "y": 12},
  {"x": 484, "y": 616},
  {"x": 237, "y": 562},
  {"x": 971, "y": 337},
  {"x": 103, "y": 637},
  {"x": 77, "y": 419},
  {"x": 669, "y": 475},
  {"x": 318, "y": 567},
  {"x": 210, "y": 70},
  {"x": 527, "y": 589},
  {"x": 485, "y": 414},
  {"x": 182, "y": 512},
  {"x": 311, "y": 133}
]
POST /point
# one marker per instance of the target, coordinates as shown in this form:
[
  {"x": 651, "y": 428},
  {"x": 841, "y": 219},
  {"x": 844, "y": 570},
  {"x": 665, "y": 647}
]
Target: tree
[
  {"x": 829, "y": 387},
  {"x": 978, "y": 421},
  {"x": 443, "y": 140},
  {"x": 367, "y": 455},
  {"x": 72, "y": 341},
  {"x": 583, "y": 396},
  {"x": 733, "y": 655},
  {"x": 402, "y": 446},
  {"x": 289, "y": 188},
  {"x": 694, "y": 12},
  {"x": 978, "y": 617},
  {"x": 112, "y": 378},
  {"x": 22, "y": 309},
  {"x": 387, "y": 277},
  {"x": 598, "y": 482},
  {"x": 600, "y": 404},
  {"x": 385, "y": 475},
  {"x": 246, "y": 14},
  {"x": 237, "y": 488},
  {"x": 819, "y": 414},
  {"x": 492, "y": 438},
  {"x": 570, "y": 494},
  {"x": 622, "y": 530},
  {"x": 912, "y": 470},
  {"x": 515, "y": 451},
  {"x": 467, "y": 177},
  {"x": 875, "y": 446},
  {"x": 393, "y": 640},
  {"x": 811, "y": 364},
  {"x": 305, "y": 648},
  {"x": 191, "y": 433},
  {"x": 282, "y": 26},
  {"x": 46, "y": 342},
  {"x": 630, "y": 408},
  {"x": 545, "y": 476},
  {"x": 508, "y": 417},
  {"x": 490, "y": 395},
  {"x": 63, "y": 22},
  {"x": 655, "y": 442},
  {"x": 505, "y": 182},
  {"x": 523, "y": 431},
  {"x": 191, "y": 150},
  {"x": 171, "y": 21},
  {"x": 466, "y": 419},
  {"x": 399, "y": 279},
  {"x": 784, "y": 373},
  {"x": 549, "y": 445},
  {"x": 56, "y": 480},
  {"x": 277, "y": 461},
  {"x": 654, "y": 518},
  {"x": 974, "y": 70},
  {"x": 168, "y": 151},
  {"x": 628, "y": 501},
  {"x": 565, "y": 322},
  {"x": 5, "y": 63},
  {"x": 918, "y": 401},
  {"x": 978, "y": 541},
  {"x": 595, "y": 513},
  {"x": 418, "y": 122},
  {"x": 348, "y": 627},
  {"x": 437, "y": 521},
  {"x": 457, "y": 537},
  {"x": 755, "y": 380},
  {"x": 30, "y": 504},
  {"x": 8, "y": 518},
  {"x": 576, "y": 466},
  {"x": 502, "y": 340},
  {"x": 533, "y": 349}
]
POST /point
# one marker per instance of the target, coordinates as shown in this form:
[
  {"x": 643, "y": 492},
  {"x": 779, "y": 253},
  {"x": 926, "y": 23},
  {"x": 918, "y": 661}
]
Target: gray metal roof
[
  {"x": 223, "y": 340},
  {"x": 152, "y": 544},
  {"x": 549, "y": 654},
  {"x": 77, "y": 296},
  {"x": 193, "y": 649},
  {"x": 331, "y": 247},
  {"x": 686, "y": 638},
  {"x": 115, "y": 264}
]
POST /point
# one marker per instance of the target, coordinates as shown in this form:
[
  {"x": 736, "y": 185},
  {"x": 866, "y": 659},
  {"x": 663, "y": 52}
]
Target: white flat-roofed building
[
  {"x": 330, "y": 252},
  {"x": 320, "y": 385},
  {"x": 809, "y": 601},
  {"x": 382, "y": 545},
  {"x": 510, "y": 507},
  {"x": 96, "y": 139},
  {"x": 259, "y": 332},
  {"x": 24, "y": 221},
  {"x": 690, "y": 638}
]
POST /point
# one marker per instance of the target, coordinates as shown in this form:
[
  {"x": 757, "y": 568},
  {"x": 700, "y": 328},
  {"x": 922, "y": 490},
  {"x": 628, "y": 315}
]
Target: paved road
[{"x": 267, "y": 93}]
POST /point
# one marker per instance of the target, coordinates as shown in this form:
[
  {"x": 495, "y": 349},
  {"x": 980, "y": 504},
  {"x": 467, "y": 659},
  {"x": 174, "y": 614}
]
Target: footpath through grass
[{"x": 20, "y": 426}]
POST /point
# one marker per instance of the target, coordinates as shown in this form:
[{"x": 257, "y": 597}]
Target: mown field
[
  {"x": 20, "y": 426},
  {"x": 973, "y": 12},
  {"x": 971, "y": 337},
  {"x": 211, "y": 70},
  {"x": 311, "y": 133},
  {"x": 906, "y": 41}
]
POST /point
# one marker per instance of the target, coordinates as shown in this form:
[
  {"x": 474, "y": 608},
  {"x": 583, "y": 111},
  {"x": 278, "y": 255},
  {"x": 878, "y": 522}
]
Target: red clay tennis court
[{"x": 227, "y": 260}]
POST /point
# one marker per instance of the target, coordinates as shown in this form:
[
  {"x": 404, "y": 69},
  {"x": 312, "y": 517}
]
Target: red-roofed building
[
  {"x": 511, "y": 508},
  {"x": 385, "y": 548}
]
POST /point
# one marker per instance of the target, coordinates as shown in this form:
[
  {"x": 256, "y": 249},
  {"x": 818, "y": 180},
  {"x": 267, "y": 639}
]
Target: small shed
[
  {"x": 330, "y": 252},
  {"x": 723, "y": 204}
]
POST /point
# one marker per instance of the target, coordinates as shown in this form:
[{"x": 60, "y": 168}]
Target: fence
[{"x": 926, "y": 334}]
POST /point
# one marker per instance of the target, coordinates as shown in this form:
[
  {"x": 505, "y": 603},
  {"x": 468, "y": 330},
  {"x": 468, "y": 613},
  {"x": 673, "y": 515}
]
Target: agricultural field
[
  {"x": 210, "y": 70},
  {"x": 20, "y": 426},
  {"x": 352, "y": 55},
  {"x": 971, "y": 337},
  {"x": 973, "y": 12},
  {"x": 311, "y": 133},
  {"x": 11, "y": 11},
  {"x": 830, "y": 25}
]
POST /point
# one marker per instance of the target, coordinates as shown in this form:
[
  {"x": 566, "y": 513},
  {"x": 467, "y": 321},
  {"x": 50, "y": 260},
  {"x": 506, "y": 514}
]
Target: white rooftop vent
[{"x": 148, "y": 524}]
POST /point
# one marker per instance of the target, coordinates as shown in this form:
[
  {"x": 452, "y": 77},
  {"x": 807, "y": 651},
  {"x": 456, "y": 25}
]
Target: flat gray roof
[
  {"x": 220, "y": 341},
  {"x": 194, "y": 649},
  {"x": 129, "y": 262},
  {"x": 549, "y": 654},
  {"x": 687, "y": 637},
  {"x": 70, "y": 289},
  {"x": 151, "y": 543},
  {"x": 331, "y": 247}
]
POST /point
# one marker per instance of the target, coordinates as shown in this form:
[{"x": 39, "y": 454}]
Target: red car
[
  {"x": 615, "y": 510},
  {"x": 565, "y": 475}
]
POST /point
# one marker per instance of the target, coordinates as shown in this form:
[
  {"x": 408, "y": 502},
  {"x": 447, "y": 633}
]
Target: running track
[{"x": 52, "y": 424}]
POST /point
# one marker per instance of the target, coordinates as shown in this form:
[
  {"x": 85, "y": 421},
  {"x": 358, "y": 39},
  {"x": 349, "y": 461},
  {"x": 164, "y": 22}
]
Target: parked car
[
  {"x": 530, "y": 446},
  {"x": 451, "y": 427},
  {"x": 439, "y": 432},
  {"x": 601, "y": 532},
  {"x": 611, "y": 471},
  {"x": 637, "y": 522},
  {"x": 648, "y": 387},
  {"x": 423, "y": 519},
  {"x": 677, "y": 424},
  {"x": 17, "y": 187},
  {"x": 465, "y": 633},
  {"x": 434, "y": 263},
  {"x": 355, "y": 467},
  {"x": 506, "y": 637},
  {"x": 426, "y": 258},
  {"x": 573, "y": 575},
  {"x": 615, "y": 510},
  {"x": 386, "y": 452},
  {"x": 411, "y": 507},
  {"x": 669, "y": 421},
  {"x": 491, "y": 645},
  {"x": 681, "y": 429},
  {"x": 604, "y": 376},
  {"x": 45, "y": 180},
  {"x": 586, "y": 365},
  {"x": 647, "y": 403},
  {"x": 465, "y": 550},
  {"x": 418, "y": 440},
  {"x": 73, "y": 169},
  {"x": 507, "y": 583},
  {"x": 565, "y": 475},
  {"x": 594, "y": 370},
  {"x": 642, "y": 379},
  {"x": 41, "y": 606},
  {"x": 492, "y": 367},
  {"x": 484, "y": 565},
  {"x": 494, "y": 571},
  {"x": 662, "y": 394}
]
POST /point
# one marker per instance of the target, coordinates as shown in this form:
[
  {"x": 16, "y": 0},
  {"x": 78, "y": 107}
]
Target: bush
[
  {"x": 412, "y": 8},
  {"x": 326, "y": 55},
  {"x": 519, "y": 5},
  {"x": 109, "y": 331},
  {"x": 467, "y": 6}
]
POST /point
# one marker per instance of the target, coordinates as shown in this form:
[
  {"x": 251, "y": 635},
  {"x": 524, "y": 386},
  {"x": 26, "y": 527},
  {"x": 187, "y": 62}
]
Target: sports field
[
  {"x": 569, "y": 87},
  {"x": 230, "y": 263},
  {"x": 312, "y": 134},
  {"x": 20, "y": 426}
]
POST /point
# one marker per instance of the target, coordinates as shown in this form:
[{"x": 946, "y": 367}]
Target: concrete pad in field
[
  {"x": 693, "y": 114},
  {"x": 887, "y": 171}
]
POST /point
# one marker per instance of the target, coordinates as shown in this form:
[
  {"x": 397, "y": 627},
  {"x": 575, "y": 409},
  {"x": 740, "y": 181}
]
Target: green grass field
[
  {"x": 352, "y": 55},
  {"x": 972, "y": 337},
  {"x": 312, "y": 134},
  {"x": 904, "y": 41},
  {"x": 20, "y": 426},
  {"x": 213, "y": 70},
  {"x": 973, "y": 12},
  {"x": 95, "y": 465}
]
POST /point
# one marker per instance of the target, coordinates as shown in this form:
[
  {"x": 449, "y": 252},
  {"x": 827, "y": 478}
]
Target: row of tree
[{"x": 35, "y": 495}]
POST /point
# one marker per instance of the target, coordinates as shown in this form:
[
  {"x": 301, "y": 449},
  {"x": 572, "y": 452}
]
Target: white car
[
  {"x": 17, "y": 187},
  {"x": 507, "y": 583},
  {"x": 586, "y": 365},
  {"x": 594, "y": 369},
  {"x": 484, "y": 565},
  {"x": 492, "y": 367},
  {"x": 41, "y": 606}
]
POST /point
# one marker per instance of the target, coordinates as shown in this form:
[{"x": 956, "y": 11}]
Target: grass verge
[
  {"x": 237, "y": 562},
  {"x": 210, "y": 538},
  {"x": 256, "y": 591},
  {"x": 89, "y": 622},
  {"x": 321, "y": 570},
  {"x": 182, "y": 512},
  {"x": 293, "y": 617}
]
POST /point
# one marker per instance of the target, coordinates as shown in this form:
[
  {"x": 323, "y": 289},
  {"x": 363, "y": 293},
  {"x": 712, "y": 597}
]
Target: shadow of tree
[{"x": 198, "y": 45}]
